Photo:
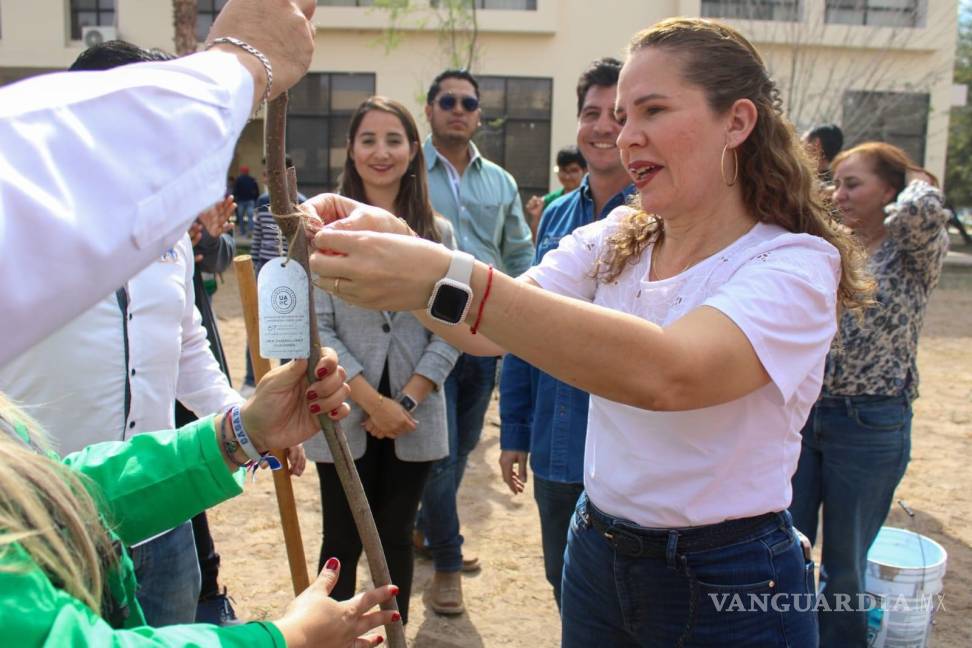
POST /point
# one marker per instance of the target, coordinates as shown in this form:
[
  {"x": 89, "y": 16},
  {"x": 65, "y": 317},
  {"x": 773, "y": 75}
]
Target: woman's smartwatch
[
  {"x": 407, "y": 402},
  {"x": 452, "y": 296}
]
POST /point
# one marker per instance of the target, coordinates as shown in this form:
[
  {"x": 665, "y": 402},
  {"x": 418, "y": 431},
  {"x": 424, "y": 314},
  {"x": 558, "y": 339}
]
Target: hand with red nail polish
[
  {"x": 315, "y": 619},
  {"x": 282, "y": 413}
]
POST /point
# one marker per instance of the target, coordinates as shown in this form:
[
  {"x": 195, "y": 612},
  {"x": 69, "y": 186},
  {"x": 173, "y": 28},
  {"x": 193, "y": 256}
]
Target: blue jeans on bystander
[
  {"x": 556, "y": 502},
  {"x": 752, "y": 588},
  {"x": 245, "y": 211},
  {"x": 167, "y": 571},
  {"x": 467, "y": 392},
  {"x": 855, "y": 451}
]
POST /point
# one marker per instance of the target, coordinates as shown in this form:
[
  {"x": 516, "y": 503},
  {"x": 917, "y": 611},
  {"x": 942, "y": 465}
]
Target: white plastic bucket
[{"x": 905, "y": 571}]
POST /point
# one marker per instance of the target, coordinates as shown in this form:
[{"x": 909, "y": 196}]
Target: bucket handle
[{"x": 921, "y": 545}]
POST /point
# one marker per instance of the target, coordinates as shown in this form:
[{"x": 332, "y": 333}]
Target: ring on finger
[{"x": 337, "y": 286}]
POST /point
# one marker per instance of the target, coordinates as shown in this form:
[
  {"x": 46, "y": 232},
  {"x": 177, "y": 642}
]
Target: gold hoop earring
[{"x": 735, "y": 166}]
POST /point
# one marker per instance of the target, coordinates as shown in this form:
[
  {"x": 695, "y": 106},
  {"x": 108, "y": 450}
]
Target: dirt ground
[{"x": 510, "y": 602}]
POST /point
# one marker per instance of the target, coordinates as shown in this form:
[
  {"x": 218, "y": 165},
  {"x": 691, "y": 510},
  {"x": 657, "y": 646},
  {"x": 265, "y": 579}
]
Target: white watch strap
[{"x": 461, "y": 267}]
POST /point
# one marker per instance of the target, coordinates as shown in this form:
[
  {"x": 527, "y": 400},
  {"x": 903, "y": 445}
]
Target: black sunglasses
[{"x": 448, "y": 102}]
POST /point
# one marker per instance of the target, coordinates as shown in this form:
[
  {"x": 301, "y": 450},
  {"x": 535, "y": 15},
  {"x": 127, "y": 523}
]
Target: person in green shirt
[
  {"x": 65, "y": 576},
  {"x": 571, "y": 167}
]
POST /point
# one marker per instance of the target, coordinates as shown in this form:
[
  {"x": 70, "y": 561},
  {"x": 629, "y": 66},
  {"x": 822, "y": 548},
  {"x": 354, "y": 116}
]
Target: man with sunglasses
[{"x": 483, "y": 204}]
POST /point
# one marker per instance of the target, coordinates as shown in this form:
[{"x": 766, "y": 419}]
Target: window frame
[
  {"x": 872, "y": 6},
  {"x": 212, "y": 13},
  {"x": 798, "y": 7},
  {"x": 328, "y": 115},
  {"x": 525, "y": 190},
  {"x": 879, "y": 129},
  {"x": 75, "y": 25}
]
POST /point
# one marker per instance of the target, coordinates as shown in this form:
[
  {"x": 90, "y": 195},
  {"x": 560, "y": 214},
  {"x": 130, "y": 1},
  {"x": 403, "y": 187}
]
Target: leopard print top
[{"x": 876, "y": 354}]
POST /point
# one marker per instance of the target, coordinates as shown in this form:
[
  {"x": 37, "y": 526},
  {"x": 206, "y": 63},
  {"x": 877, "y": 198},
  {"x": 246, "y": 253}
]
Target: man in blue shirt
[
  {"x": 483, "y": 204},
  {"x": 541, "y": 417}
]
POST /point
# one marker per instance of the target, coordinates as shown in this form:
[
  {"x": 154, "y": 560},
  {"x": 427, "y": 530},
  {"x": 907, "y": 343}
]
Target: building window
[
  {"x": 899, "y": 118},
  {"x": 206, "y": 12},
  {"x": 318, "y": 117},
  {"x": 878, "y": 13},
  {"x": 91, "y": 13},
  {"x": 509, "y": 5},
  {"x": 516, "y": 5},
  {"x": 516, "y": 129},
  {"x": 781, "y": 10},
  {"x": 346, "y": 3}
]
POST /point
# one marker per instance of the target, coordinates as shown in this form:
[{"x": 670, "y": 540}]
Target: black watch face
[
  {"x": 449, "y": 303},
  {"x": 408, "y": 403}
]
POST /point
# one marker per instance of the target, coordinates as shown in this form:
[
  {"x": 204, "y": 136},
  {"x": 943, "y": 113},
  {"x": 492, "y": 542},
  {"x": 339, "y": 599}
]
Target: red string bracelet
[{"x": 479, "y": 315}]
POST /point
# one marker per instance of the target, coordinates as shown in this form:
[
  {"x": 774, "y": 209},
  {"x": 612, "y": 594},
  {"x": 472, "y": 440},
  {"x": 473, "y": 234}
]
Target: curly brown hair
[{"x": 776, "y": 175}]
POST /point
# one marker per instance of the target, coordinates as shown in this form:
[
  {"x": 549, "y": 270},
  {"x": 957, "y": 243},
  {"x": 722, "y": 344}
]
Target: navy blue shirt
[{"x": 538, "y": 413}]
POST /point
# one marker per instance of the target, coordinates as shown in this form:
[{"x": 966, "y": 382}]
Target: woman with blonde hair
[
  {"x": 699, "y": 321},
  {"x": 65, "y": 576},
  {"x": 857, "y": 441}
]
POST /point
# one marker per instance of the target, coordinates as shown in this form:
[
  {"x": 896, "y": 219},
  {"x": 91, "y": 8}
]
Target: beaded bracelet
[{"x": 249, "y": 49}]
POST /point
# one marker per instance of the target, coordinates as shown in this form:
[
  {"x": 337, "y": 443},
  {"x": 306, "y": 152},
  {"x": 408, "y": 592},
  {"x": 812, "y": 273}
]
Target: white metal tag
[{"x": 284, "y": 309}]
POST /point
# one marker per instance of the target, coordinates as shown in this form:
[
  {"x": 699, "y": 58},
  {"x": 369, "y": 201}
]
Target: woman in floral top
[{"x": 857, "y": 441}]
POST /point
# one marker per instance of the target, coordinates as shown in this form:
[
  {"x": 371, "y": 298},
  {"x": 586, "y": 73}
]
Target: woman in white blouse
[{"x": 699, "y": 321}]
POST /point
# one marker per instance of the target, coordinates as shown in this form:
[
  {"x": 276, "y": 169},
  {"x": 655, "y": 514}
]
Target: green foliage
[
  {"x": 456, "y": 22},
  {"x": 958, "y": 170}
]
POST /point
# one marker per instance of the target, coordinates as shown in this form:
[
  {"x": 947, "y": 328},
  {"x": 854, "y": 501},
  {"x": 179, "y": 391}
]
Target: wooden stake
[
  {"x": 284, "y": 490},
  {"x": 285, "y": 212}
]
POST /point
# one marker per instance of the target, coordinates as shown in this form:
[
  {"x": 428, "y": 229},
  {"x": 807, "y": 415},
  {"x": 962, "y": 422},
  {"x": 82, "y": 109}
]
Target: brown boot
[{"x": 445, "y": 593}]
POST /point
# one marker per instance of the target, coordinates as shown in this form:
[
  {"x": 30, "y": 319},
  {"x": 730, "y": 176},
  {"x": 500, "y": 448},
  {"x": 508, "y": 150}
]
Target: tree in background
[
  {"x": 456, "y": 22},
  {"x": 184, "y": 21},
  {"x": 863, "y": 93},
  {"x": 958, "y": 169}
]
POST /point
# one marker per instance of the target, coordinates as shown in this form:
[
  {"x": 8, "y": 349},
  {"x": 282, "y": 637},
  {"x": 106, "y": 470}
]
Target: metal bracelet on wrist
[{"x": 249, "y": 49}]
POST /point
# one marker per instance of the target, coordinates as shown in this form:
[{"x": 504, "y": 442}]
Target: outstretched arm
[{"x": 602, "y": 351}]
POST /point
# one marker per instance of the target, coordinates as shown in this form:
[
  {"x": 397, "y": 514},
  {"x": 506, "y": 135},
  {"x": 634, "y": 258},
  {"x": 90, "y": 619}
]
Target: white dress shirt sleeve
[
  {"x": 100, "y": 173},
  {"x": 201, "y": 386}
]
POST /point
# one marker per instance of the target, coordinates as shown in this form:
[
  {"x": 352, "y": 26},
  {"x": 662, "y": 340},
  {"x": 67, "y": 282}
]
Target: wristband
[
  {"x": 256, "y": 458},
  {"x": 249, "y": 49},
  {"x": 230, "y": 446}
]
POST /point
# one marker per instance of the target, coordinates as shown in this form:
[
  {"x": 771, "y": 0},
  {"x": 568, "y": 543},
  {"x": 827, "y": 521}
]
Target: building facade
[{"x": 882, "y": 69}]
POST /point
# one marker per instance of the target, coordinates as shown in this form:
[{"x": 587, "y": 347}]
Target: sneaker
[
  {"x": 247, "y": 390},
  {"x": 217, "y": 610}
]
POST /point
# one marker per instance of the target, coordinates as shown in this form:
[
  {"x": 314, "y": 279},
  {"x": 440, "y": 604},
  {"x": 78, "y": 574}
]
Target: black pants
[{"x": 394, "y": 488}]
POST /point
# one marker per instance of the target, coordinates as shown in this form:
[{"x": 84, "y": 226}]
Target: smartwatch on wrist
[
  {"x": 452, "y": 296},
  {"x": 407, "y": 402}
]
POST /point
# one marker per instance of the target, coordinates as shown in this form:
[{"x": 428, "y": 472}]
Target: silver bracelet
[{"x": 246, "y": 47}]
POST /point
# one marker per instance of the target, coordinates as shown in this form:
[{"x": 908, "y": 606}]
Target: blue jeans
[
  {"x": 245, "y": 209},
  {"x": 855, "y": 451},
  {"x": 556, "y": 502},
  {"x": 167, "y": 571},
  {"x": 467, "y": 392},
  {"x": 757, "y": 590}
]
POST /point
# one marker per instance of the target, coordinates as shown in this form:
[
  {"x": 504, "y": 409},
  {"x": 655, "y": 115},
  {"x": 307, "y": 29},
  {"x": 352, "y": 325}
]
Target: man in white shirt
[
  {"x": 78, "y": 214},
  {"x": 138, "y": 350}
]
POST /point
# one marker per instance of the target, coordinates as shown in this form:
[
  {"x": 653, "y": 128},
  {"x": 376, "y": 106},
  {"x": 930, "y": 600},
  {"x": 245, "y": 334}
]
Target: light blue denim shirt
[{"x": 485, "y": 211}]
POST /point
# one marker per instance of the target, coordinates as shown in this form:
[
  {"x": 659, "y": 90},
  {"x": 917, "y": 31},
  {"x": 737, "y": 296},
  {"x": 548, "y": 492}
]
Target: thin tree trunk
[{"x": 184, "y": 21}]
